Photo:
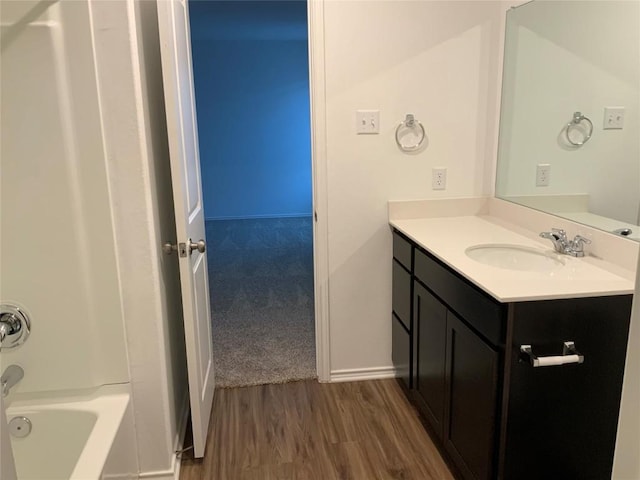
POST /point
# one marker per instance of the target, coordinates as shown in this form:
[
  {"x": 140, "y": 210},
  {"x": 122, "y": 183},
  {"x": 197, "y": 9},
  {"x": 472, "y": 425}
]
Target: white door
[{"x": 175, "y": 47}]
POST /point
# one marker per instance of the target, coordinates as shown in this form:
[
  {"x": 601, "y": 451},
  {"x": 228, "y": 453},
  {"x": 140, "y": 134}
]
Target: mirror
[{"x": 569, "y": 133}]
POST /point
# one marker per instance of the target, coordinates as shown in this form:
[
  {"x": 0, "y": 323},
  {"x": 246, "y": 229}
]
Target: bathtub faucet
[
  {"x": 9, "y": 325},
  {"x": 15, "y": 326},
  {"x": 12, "y": 375}
]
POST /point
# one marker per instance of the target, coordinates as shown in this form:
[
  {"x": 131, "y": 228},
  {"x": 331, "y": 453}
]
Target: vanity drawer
[
  {"x": 402, "y": 250},
  {"x": 401, "y": 351},
  {"x": 483, "y": 313},
  {"x": 401, "y": 297}
]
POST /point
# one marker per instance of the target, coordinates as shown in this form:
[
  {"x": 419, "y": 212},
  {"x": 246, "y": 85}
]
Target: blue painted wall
[{"x": 251, "y": 75}]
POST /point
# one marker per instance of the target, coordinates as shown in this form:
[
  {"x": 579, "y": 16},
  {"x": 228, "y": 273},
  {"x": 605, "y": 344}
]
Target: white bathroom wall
[
  {"x": 552, "y": 72},
  {"x": 135, "y": 130},
  {"x": 439, "y": 61},
  {"x": 57, "y": 250}
]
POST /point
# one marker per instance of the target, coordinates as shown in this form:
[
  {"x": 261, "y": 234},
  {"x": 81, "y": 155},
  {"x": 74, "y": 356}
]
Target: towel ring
[
  {"x": 411, "y": 123},
  {"x": 578, "y": 118}
]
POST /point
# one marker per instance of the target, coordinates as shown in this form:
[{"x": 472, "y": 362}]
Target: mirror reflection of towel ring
[
  {"x": 410, "y": 123},
  {"x": 578, "y": 119}
]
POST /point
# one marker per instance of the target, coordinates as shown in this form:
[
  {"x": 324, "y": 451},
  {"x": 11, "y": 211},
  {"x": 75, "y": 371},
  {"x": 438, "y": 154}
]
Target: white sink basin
[{"x": 515, "y": 257}]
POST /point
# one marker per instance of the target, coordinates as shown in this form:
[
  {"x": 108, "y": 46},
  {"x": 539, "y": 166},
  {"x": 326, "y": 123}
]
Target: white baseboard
[
  {"x": 358, "y": 374},
  {"x": 173, "y": 473}
]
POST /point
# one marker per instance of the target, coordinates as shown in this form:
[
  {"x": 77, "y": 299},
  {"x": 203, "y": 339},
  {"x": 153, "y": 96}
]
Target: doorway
[{"x": 251, "y": 75}]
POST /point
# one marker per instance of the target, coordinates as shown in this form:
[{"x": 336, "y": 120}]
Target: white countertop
[{"x": 447, "y": 238}]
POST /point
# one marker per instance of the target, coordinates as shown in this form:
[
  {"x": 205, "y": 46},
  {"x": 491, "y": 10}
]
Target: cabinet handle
[{"x": 569, "y": 355}]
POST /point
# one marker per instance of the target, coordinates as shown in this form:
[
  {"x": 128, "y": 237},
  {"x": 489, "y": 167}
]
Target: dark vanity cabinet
[{"x": 495, "y": 415}]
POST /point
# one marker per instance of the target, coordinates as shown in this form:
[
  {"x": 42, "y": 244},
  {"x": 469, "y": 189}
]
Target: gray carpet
[{"x": 261, "y": 282}]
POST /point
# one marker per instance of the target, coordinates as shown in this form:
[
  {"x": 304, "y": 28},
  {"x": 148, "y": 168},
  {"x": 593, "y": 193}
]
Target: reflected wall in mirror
[{"x": 563, "y": 57}]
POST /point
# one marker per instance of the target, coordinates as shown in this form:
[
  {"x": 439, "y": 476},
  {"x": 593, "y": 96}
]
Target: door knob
[
  {"x": 179, "y": 248},
  {"x": 169, "y": 248},
  {"x": 201, "y": 246}
]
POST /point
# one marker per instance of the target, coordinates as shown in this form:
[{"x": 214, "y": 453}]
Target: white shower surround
[{"x": 57, "y": 246}]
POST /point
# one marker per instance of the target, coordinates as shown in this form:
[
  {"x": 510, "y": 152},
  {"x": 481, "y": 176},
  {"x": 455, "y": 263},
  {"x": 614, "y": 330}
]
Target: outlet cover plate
[
  {"x": 543, "y": 175},
  {"x": 439, "y": 178}
]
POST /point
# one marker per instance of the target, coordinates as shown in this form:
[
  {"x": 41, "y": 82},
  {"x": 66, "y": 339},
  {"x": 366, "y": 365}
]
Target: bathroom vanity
[{"x": 516, "y": 373}]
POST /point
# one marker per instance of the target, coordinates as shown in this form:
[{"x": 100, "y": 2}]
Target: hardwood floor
[{"x": 307, "y": 430}]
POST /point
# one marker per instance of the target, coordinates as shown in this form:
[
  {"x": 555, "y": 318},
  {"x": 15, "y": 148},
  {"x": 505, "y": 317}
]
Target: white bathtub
[{"x": 71, "y": 437}]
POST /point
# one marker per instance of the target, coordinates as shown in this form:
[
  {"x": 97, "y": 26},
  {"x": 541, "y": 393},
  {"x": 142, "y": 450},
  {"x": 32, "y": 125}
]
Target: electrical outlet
[
  {"x": 613, "y": 118},
  {"x": 543, "y": 175},
  {"x": 367, "y": 121},
  {"x": 439, "y": 178}
]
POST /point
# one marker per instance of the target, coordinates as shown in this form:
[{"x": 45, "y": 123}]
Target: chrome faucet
[
  {"x": 12, "y": 375},
  {"x": 558, "y": 237},
  {"x": 563, "y": 245}
]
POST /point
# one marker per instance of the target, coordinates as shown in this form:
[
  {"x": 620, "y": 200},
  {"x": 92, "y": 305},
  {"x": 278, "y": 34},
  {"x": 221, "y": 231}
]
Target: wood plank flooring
[{"x": 307, "y": 430}]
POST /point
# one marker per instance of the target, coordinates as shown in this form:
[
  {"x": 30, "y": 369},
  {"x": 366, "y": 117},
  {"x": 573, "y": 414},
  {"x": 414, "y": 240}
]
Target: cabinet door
[
  {"x": 430, "y": 319},
  {"x": 472, "y": 381},
  {"x": 564, "y": 418}
]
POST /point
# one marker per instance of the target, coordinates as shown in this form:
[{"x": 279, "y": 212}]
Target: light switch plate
[
  {"x": 367, "y": 121},
  {"x": 613, "y": 118}
]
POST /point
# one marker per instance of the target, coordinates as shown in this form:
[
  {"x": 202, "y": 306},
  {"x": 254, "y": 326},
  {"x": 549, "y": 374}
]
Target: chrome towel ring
[
  {"x": 414, "y": 126},
  {"x": 578, "y": 119}
]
